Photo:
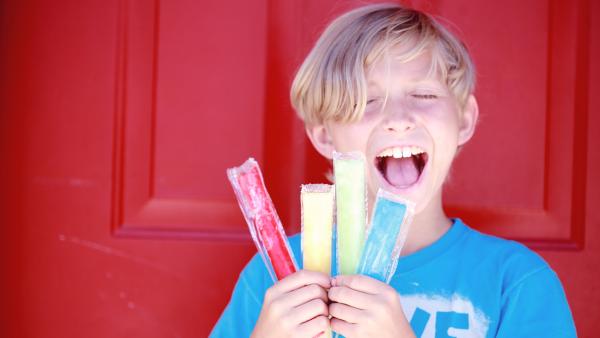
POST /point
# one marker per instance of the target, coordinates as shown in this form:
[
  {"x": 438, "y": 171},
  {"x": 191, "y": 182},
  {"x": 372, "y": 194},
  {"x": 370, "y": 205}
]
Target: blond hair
[{"x": 331, "y": 83}]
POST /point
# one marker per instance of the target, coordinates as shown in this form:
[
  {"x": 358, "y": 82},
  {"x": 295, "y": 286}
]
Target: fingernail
[{"x": 333, "y": 282}]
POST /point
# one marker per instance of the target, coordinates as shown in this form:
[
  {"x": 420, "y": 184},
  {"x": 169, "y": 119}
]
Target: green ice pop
[{"x": 351, "y": 199}]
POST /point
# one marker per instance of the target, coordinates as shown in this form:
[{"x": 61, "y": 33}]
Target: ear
[
  {"x": 321, "y": 139},
  {"x": 468, "y": 120}
]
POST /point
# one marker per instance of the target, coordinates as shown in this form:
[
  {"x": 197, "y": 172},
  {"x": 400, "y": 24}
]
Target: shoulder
[
  {"x": 532, "y": 299},
  {"x": 515, "y": 262},
  {"x": 253, "y": 281},
  {"x": 507, "y": 252}
]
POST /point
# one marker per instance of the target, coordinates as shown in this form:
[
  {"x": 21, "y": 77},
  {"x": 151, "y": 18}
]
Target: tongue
[{"x": 401, "y": 172}]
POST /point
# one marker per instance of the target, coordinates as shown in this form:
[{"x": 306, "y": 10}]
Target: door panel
[
  {"x": 177, "y": 126},
  {"x": 531, "y": 122},
  {"x": 118, "y": 119}
]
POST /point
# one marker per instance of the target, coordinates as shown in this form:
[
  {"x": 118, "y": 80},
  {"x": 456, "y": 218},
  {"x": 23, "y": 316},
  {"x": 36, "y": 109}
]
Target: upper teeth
[{"x": 399, "y": 152}]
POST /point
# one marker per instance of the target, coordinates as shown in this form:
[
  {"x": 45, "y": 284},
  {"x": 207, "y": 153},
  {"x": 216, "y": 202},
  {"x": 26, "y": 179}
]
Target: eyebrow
[{"x": 429, "y": 81}]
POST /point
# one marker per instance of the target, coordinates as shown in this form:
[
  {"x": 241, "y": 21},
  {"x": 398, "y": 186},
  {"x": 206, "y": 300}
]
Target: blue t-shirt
[{"x": 466, "y": 284}]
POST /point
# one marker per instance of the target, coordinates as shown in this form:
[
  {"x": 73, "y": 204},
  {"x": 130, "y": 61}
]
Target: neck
[{"x": 427, "y": 226}]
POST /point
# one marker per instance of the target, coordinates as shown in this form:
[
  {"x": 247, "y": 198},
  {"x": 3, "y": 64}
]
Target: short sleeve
[
  {"x": 240, "y": 315},
  {"x": 536, "y": 306}
]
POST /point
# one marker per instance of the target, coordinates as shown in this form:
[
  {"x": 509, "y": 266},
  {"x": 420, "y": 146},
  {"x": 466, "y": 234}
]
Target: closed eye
[{"x": 425, "y": 96}]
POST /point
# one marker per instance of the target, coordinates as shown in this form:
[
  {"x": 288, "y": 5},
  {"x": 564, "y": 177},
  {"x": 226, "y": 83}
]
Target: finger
[
  {"x": 359, "y": 283},
  {"x": 314, "y": 327},
  {"x": 351, "y": 297},
  {"x": 344, "y": 328},
  {"x": 306, "y": 294},
  {"x": 346, "y": 313},
  {"x": 297, "y": 280},
  {"x": 310, "y": 310}
]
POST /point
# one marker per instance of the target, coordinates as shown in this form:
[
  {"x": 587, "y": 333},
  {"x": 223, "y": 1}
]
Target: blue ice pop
[{"x": 385, "y": 237}]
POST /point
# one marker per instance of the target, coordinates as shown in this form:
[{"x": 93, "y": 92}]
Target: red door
[{"x": 118, "y": 119}]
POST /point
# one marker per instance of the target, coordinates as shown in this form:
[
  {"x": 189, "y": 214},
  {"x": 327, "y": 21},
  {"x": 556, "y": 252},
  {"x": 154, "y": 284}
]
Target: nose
[{"x": 399, "y": 119}]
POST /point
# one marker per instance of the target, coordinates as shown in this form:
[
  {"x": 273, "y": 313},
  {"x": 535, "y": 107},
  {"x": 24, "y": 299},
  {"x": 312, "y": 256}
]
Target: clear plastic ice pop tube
[
  {"x": 317, "y": 202},
  {"x": 317, "y": 226},
  {"x": 263, "y": 222},
  {"x": 351, "y": 208},
  {"x": 386, "y": 235}
]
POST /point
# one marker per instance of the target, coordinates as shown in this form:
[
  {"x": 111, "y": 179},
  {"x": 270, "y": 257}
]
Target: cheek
[
  {"x": 350, "y": 138},
  {"x": 446, "y": 145},
  {"x": 444, "y": 127}
]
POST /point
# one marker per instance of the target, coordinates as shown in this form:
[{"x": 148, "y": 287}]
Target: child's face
[{"x": 409, "y": 132}]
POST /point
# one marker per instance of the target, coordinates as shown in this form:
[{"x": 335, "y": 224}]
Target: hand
[
  {"x": 296, "y": 306},
  {"x": 365, "y": 307}
]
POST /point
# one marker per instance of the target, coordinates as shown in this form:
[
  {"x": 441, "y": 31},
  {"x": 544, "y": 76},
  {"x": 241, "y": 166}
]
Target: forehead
[{"x": 403, "y": 62}]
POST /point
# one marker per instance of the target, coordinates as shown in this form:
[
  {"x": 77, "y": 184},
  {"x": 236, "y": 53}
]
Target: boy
[{"x": 392, "y": 83}]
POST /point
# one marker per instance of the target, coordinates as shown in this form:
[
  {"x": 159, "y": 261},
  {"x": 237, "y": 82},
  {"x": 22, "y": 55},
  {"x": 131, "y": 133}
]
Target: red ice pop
[{"x": 263, "y": 222}]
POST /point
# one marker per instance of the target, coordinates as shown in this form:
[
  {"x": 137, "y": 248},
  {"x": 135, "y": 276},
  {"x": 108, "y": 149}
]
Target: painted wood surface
[{"x": 118, "y": 119}]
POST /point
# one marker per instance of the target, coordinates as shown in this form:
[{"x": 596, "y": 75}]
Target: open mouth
[{"x": 401, "y": 166}]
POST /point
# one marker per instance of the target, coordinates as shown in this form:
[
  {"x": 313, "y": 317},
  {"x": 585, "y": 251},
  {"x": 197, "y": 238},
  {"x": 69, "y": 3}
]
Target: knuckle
[
  {"x": 333, "y": 309},
  {"x": 286, "y": 325},
  {"x": 315, "y": 308},
  {"x": 269, "y": 294},
  {"x": 315, "y": 290},
  {"x": 350, "y": 281},
  {"x": 391, "y": 298},
  {"x": 287, "y": 322},
  {"x": 324, "y": 296},
  {"x": 390, "y": 293},
  {"x": 322, "y": 307},
  {"x": 322, "y": 322},
  {"x": 336, "y": 295},
  {"x": 332, "y": 293},
  {"x": 380, "y": 303},
  {"x": 276, "y": 308},
  {"x": 322, "y": 292},
  {"x": 343, "y": 293},
  {"x": 355, "y": 281},
  {"x": 368, "y": 319},
  {"x": 303, "y": 274}
]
